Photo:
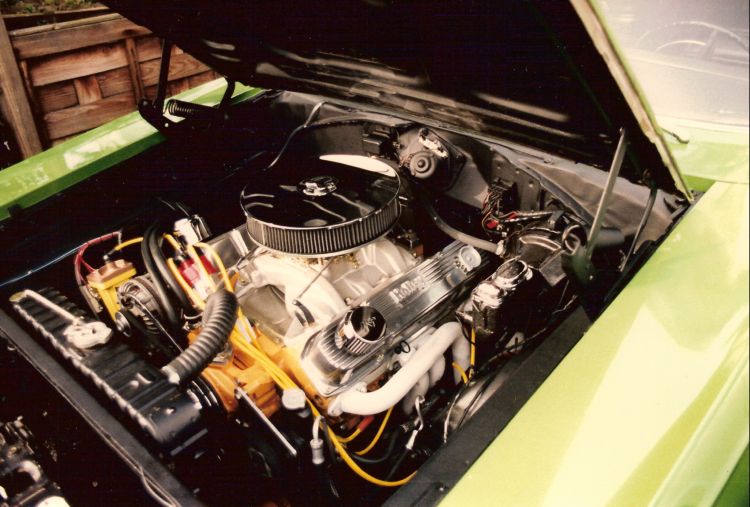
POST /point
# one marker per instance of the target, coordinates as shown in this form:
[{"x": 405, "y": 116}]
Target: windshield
[{"x": 690, "y": 56}]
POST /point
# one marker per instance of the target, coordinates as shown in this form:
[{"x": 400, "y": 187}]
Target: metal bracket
[
  {"x": 152, "y": 112},
  {"x": 242, "y": 395}
]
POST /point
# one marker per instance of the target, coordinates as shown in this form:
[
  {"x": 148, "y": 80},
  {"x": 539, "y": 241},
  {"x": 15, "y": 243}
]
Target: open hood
[{"x": 526, "y": 71}]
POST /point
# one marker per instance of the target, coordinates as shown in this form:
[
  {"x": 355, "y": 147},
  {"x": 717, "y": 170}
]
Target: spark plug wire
[{"x": 283, "y": 380}]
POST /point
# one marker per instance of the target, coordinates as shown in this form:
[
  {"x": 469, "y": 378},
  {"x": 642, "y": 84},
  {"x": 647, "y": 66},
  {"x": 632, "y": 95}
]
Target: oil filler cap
[{"x": 361, "y": 330}]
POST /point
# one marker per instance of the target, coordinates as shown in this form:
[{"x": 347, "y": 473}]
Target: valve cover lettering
[{"x": 407, "y": 289}]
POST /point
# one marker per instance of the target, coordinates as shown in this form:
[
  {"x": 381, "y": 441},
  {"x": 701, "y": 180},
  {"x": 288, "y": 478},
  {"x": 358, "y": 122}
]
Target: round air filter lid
[{"x": 318, "y": 207}]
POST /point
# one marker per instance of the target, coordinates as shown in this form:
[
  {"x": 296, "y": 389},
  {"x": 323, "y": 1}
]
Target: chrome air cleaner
[{"x": 320, "y": 207}]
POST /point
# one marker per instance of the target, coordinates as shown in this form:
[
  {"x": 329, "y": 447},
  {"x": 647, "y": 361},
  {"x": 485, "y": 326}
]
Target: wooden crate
[{"x": 81, "y": 74}]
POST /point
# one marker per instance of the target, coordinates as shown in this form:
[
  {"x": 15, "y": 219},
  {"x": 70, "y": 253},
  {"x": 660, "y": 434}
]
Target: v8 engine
[{"x": 364, "y": 308}]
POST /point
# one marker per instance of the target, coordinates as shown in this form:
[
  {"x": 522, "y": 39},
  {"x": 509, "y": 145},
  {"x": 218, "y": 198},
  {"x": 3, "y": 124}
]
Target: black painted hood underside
[{"x": 520, "y": 70}]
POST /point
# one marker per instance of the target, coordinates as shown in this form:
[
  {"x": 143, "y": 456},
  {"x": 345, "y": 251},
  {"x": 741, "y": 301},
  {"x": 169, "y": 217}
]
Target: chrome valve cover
[{"x": 411, "y": 302}]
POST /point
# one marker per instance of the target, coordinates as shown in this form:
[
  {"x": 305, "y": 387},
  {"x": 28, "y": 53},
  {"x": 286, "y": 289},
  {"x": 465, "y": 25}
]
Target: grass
[{"x": 43, "y": 6}]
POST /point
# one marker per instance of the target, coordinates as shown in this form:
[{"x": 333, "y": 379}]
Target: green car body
[{"x": 649, "y": 408}]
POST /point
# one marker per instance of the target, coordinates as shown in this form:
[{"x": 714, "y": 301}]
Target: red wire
[
  {"x": 78, "y": 260},
  {"x": 87, "y": 265}
]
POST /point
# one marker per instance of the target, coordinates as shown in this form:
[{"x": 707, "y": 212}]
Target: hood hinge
[{"x": 153, "y": 111}]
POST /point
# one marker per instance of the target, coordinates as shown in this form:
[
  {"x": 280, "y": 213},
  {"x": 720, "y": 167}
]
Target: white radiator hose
[{"x": 356, "y": 401}]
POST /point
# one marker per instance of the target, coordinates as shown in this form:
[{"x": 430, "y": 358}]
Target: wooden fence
[{"x": 80, "y": 74}]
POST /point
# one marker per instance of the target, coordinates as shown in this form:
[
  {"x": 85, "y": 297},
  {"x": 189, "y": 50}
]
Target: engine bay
[{"x": 378, "y": 282}]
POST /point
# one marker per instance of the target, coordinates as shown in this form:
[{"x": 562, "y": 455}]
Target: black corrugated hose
[{"x": 218, "y": 320}]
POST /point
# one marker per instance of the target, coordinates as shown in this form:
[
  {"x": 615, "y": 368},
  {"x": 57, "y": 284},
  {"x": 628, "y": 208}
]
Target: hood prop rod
[{"x": 578, "y": 260}]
